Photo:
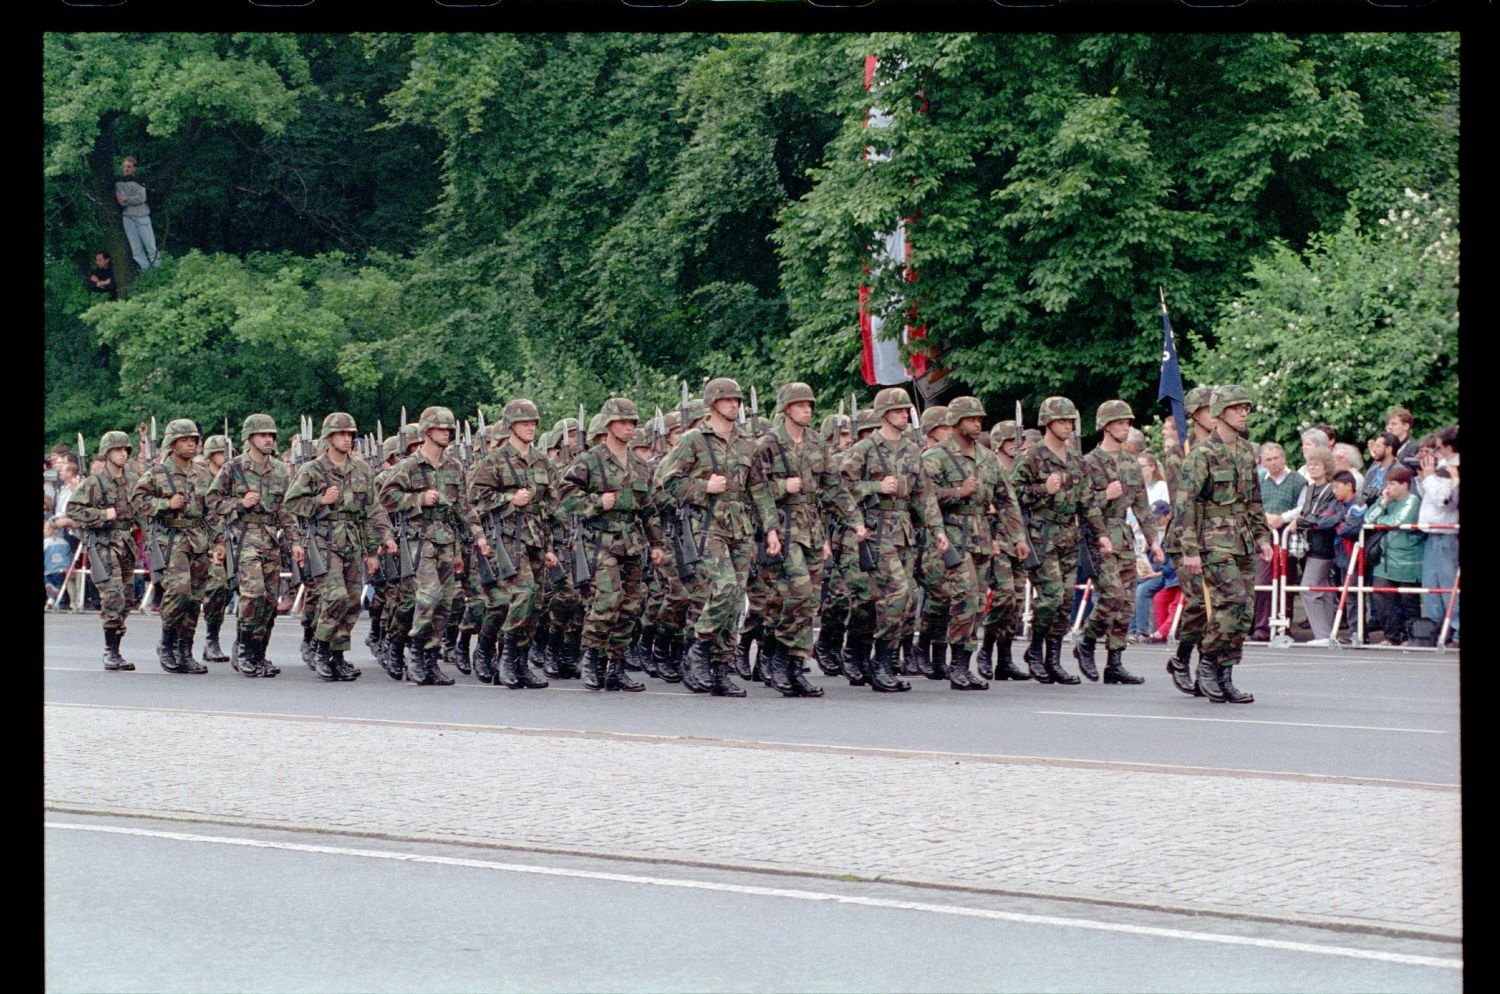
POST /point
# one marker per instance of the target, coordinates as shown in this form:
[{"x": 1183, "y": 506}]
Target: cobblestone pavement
[{"x": 1357, "y": 854}]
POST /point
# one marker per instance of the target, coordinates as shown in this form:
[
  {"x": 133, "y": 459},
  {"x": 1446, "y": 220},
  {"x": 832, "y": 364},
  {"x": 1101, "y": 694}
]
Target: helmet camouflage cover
[
  {"x": 618, "y": 409},
  {"x": 497, "y": 433},
  {"x": 1198, "y": 397},
  {"x": 596, "y": 426},
  {"x": 257, "y": 424},
  {"x": 835, "y": 423},
  {"x": 935, "y": 416},
  {"x": 178, "y": 428},
  {"x": 520, "y": 409},
  {"x": 337, "y": 421},
  {"x": 437, "y": 417},
  {"x": 411, "y": 435},
  {"x": 964, "y": 407},
  {"x": 865, "y": 420},
  {"x": 721, "y": 388},
  {"x": 697, "y": 410},
  {"x": 891, "y": 399},
  {"x": 215, "y": 443},
  {"x": 113, "y": 440},
  {"x": 791, "y": 393},
  {"x": 640, "y": 439},
  {"x": 671, "y": 421},
  {"x": 1002, "y": 432},
  {"x": 1228, "y": 396},
  {"x": 1112, "y": 410},
  {"x": 388, "y": 448},
  {"x": 1056, "y": 409}
]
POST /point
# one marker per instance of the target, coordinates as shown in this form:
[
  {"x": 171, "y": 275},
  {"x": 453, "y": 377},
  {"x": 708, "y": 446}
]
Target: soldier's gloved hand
[
  {"x": 1194, "y": 564},
  {"x": 521, "y": 497},
  {"x": 218, "y": 555},
  {"x": 890, "y": 485},
  {"x": 177, "y": 502},
  {"x": 607, "y": 500},
  {"x": 717, "y": 484},
  {"x": 658, "y": 556},
  {"x": 298, "y": 554},
  {"x": 1054, "y": 483},
  {"x": 773, "y": 543},
  {"x": 430, "y": 497},
  {"x": 794, "y": 484},
  {"x": 550, "y": 559},
  {"x": 250, "y": 499},
  {"x": 1105, "y": 545},
  {"x": 1114, "y": 490},
  {"x": 331, "y": 495}
]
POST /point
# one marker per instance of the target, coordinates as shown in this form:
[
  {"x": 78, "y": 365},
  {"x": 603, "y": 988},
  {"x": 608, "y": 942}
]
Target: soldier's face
[
  {"x": 969, "y": 428},
  {"x": 1061, "y": 429},
  {"x": 216, "y": 460},
  {"x": 263, "y": 442},
  {"x": 118, "y": 457},
  {"x": 525, "y": 431},
  {"x": 1008, "y": 447},
  {"x": 441, "y": 437},
  {"x": 728, "y": 408},
  {"x": 1119, "y": 430},
  {"x": 622, "y": 430},
  {"x": 843, "y": 440},
  {"x": 800, "y": 413},
  {"x": 939, "y": 435},
  {"x": 185, "y": 448},
  {"x": 1205, "y": 419},
  {"x": 343, "y": 441},
  {"x": 1235, "y": 416},
  {"x": 899, "y": 418},
  {"x": 673, "y": 436}
]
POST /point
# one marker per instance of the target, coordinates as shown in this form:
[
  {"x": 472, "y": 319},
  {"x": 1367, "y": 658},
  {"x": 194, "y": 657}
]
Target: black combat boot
[
  {"x": 572, "y": 653},
  {"x": 592, "y": 670},
  {"x": 829, "y": 648},
  {"x": 1115, "y": 671},
  {"x": 922, "y": 655},
  {"x": 323, "y": 662},
  {"x": 908, "y": 656},
  {"x": 636, "y": 650},
  {"x": 1178, "y": 669},
  {"x": 185, "y": 655},
  {"x": 678, "y": 656},
  {"x": 247, "y": 657},
  {"x": 721, "y": 684},
  {"x": 1208, "y": 679},
  {"x": 377, "y": 633},
  {"x": 549, "y": 644},
  {"x": 938, "y": 652},
  {"x": 509, "y": 674},
  {"x": 432, "y": 659},
  {"x": 775, "y": 666},
  {"x": 463, "y": 658},
  {"x": 883, "y": 677},
  {"x": 856, "y": 660},
  {"x": 1084, "y": 653},
  {"x": 112, "y": 658},
  {"x": 528, "y": 676},
  {"x": 1035, "y": 657},
  {"x": 1054, "y": 663},
  {"x": 698, "y": 668},
  {"x": 395, "y": 657},
  {"x": 1232, "y": 694},
  {"x": 663, "y": 659},
  {"x": 1005, "y": 663},
  {"x": 211, "y": 651},
  {"x": 484, "y": 658},
  {"x": 748, "y": 637},
  {"x": 449, "y": 653},
  {"x": 959, "y": 677},
  {"x": 987, "y": 652},
  {"x": 342, "y": 668},
  {"x": 615, "y": 677},
  {"x": 309, "y": 652},
  {"x": 799, "y": 679},
  {"x": 647, "y": 657},
  {"x": 267, "y": 668}
]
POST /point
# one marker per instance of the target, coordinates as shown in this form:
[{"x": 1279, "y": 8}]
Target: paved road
[{"x": 1331, "y": 803}]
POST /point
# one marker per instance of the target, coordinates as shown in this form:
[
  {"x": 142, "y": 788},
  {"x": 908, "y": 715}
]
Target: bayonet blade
[
  {"x": 83, "y": 455},
  {"x": 403, "y": 419},
  {"x": 754, "y": 402},
  {"x": 153, "y": 430},
  {"x": 379, "y": 435}
]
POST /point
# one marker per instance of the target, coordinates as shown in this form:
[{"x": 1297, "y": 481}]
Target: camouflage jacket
[
  {"x": 1217, "y": 507},
  {"x": 802, "y": 514},
  {"x": 156, "y": 487},
  {"x": 1103, "y": 467},
  {"x": 894, "y": 517},
  {"x": 97, "y": 494},
  {"x": 1064, "y": 509},
  {"x": 256, "y": 527},
  {"x": 353, "y": 525},
  {"x": 745, "y": 503},
  {"x": 964, "y": 518},
  {"x": 495, "y": 480},
  {"x": 448, "y": 521},
  {"x": 631, "y": 525}
]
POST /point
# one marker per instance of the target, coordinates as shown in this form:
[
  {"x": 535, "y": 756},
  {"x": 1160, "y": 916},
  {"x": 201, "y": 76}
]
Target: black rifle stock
[{"x": 99, "y": 565}]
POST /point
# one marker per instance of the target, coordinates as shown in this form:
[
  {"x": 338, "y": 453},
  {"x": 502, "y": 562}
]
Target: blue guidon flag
[{"x": 1170, "y": 385}]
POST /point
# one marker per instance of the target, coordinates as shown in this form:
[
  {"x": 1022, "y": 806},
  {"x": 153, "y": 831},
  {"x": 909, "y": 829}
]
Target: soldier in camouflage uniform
[
  {"x": 170, "y": 496},
  {"x": 1194, "y": 618},
  {"x": 246, "y": 504},
  {"x": 884, "y": 476},
  {"x": 833, "y": 598},
  {"x": 858, "y": 632},
  {"x": 1218, "y": 509},
  {"x": 512, "y": 490},
  {"x": 216, "y": 595},
  {"x": 678, "y": 604},
  {"x": 713, "y": 468},
  {"x": 563, "y": 605},
  {"x": 1116, "y": 480},
  {"x": 928, "y": 653},
  {"x": 609, "y": 489},
  {"x": 401, "y": 597},
  {"x": 1007, "y": 576},
  {"x": 798, "y": 468},
  {"x": 428, "y": 487},
  {"x": 1053, "y": 488},
  {"x": 384, "y": 580},
  {"x": 655, "y": 642},
  {"x": 334, "y": 499},
  {"x": 101, "y": 505}
]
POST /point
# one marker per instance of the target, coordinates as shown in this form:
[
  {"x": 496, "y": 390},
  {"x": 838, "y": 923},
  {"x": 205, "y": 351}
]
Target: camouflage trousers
[
  {"x": 615, "y": 603},
  {"x": 514, "y": 605},
  {"x": 259, "y": 580},
  {"x": 758, "y": 594},
  {"x": 400, "y": 605},
  {"x": 380, "y": 593},
  {"x": 436, "y": 580},
  {"x": 677, "y": 596},
  {"x": 117, "y": 594},
  {"x": 339, "y": 592},
  {"x": 1005, "y": 578},
  {"x": 1194, "y": 621},
  {"x": 182, "y": 585},
  {"x": 1052, "y": 583},
  {"x": 722, "y": 575},
  {"x": 928, "y": 572},
  {"x": 891, "y": 593},
  {"x": 1114, "y": 601},
  {"x": 835, "y": 593},
  {"x": 216, "y": 595},
  {"x": 963, "y": 593},
  {"x": 792, "y": 600},
  {"x": 1231, "y": 592}
]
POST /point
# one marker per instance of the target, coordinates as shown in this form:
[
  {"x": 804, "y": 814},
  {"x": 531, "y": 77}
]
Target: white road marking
[
  {"x": 1243, "y": 721},
  {"x": 783, "y": 892}
]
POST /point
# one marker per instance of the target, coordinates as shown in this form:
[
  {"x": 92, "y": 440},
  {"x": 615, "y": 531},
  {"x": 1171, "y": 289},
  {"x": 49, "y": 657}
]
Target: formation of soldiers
[{"x": 872, "y": 547}]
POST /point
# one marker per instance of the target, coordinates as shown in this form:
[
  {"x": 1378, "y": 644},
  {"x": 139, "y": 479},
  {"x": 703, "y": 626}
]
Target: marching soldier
[
  {"x": 334, "y": 498},
  {"x": 401, "y": 600},
  {"x": 885, "y": 478},
  {"x": 101, "y": 507},
  {"x": 657, "y": 635},
  {"x": 1052, "y": 484},
  {"x": 1194, "y": 618},
  {"x": 563, "y": 607},
  {"x": 1221, "y": 523},
  {"x": 386, "y": 571},
  {"x": 247, "y": 503},
  {"x": 678, "y": 605},
  {"x": 609, "y": 489},
  {"x": 427, "y": 486},
  {"x": 512, "y": 492},
  {"x": 1116, "y": 480},
  {"x": 169, "y": 498},
  {"x": 928, "y": 654},
  {"x": 216, "y": 597},
  {"x": 712, "y": 468},
  {"x": 833, "y": 602},
  {"x": 799, "y": 471},
  {"x": 1007, "y": 577}
]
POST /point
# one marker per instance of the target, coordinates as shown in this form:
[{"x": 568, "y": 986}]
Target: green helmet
[
  {"x": 865, "y": 420},
  {"x": 519, "y": 409},
  {"x": 1112, "y": 410},
  {"x": 833, "y": 424},
  {"x": 758, "y": 426},
  {"x": 388, "y": 448},
  {"x": 1198, "y": 397},
  {"x": 671, "y": 421},
  {"x": 338, "y": 421},
  {"x": 497, "y": 433},
  {"x": 790, "y": 393},
  {"x": 1056, "y": 409},
  {"x": 697, "y": 410},
  {"x": 596, "y": 427},
  {"x": 551, "y": 440},
  {"x": 640, "y": 439},
  {"x": 1003, "y": 432},
  {"x": 437, "y": 417},
  {"x": 935, "y": 416},
  {"x": 178, "y": 428},
  {"x": 618, "y": 409},
  {"x": 891, "y": 399},
  {"x": 215, "y": 443},
  {"x": 410, "y": 435},
  {"x": 722, "y": 388},
  {"x": 113, "y": 440},
  {"x": 258, "y": 424},
  {"x": 1228, "y": 396},
  {"x": 568, "y": 424},
  {"x": 964, "y": 407}
]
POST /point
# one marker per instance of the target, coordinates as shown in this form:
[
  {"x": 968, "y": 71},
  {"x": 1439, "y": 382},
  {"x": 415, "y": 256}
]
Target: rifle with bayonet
[
  {"x": 99, "y": 568},
  {"x": 869, "y": 552},
  {"x": 580, "y": 570},
  {"x": 1033, "y": 560},
  {"x": 679, "y": 524}
]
